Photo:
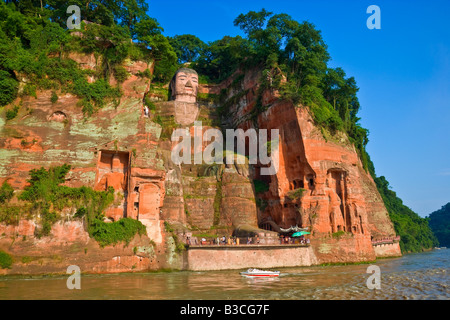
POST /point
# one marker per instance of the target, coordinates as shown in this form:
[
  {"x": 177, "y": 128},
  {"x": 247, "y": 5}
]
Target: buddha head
[{"x": 184, "y": 85}]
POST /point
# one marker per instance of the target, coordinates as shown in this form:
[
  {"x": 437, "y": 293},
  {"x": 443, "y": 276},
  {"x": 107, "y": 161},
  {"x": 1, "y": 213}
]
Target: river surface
[{"x": 413, "y": 276}]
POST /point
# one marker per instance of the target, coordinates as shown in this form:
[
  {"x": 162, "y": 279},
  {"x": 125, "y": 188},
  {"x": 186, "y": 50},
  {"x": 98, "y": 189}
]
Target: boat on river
[{"x": 260, "y": 273}]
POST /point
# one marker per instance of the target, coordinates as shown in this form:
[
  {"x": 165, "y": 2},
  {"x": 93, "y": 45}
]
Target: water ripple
[{"x": 412, "y": 277}]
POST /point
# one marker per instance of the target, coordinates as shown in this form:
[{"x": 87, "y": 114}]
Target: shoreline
[{"x": 161, "y": 271}]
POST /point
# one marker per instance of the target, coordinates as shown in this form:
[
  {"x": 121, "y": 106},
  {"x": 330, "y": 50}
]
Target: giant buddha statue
[{"x": 184, "y": 85}]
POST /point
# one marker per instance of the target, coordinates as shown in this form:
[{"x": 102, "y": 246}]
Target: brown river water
[{"x": 413, "y": 276}]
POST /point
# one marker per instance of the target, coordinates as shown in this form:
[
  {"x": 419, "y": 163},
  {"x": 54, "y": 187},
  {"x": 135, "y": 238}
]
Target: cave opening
[{"x": 113, "y": 171}]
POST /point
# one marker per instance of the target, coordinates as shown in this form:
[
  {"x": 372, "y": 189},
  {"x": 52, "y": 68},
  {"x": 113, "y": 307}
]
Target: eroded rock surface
[{"x": 320, "y": 184}]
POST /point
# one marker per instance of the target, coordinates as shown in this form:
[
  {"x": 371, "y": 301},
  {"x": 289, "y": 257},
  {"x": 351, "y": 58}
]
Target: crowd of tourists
[{"x": 236, "y": 241}]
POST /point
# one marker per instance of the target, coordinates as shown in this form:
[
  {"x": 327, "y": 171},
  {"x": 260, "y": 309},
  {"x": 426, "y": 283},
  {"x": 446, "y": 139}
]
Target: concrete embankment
[{"x": 207, "y": 258}]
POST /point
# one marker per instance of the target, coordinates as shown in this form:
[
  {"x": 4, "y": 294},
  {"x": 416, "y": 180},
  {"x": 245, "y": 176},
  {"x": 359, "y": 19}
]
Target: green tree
[
  {"x": 6, "y": 260},
  {"x": 222, "y": 57},
  {"x": 6, "y": 192},
  {"x": 148, "y": 33},
  {"x": 8, "y": 88},
  {"x": 264, "y": 37},
  {"x": 33, "y": 38},
  {"x": 440, "y": 224},
  {"x": 341, "y": 92},
  {"x": 187, "y": 47},
  {"x": 308, "y": 56}
]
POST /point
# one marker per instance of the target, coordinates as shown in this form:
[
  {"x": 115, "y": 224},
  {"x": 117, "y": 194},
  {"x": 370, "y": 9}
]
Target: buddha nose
[{"x": 189, "y": 84}]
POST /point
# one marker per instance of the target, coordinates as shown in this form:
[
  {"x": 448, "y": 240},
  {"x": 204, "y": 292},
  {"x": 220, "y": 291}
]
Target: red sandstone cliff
[
  {"x": 120, "y": 147},
  {"x": 320, "y": 184}
]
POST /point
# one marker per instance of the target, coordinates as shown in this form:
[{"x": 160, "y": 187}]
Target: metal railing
[
  {"x": 240, "y": 241},
  {"x": 387, "y": 240}
]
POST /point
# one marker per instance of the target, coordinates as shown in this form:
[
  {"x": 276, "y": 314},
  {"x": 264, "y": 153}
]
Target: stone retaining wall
[
  {"x": 387, "y": 250},
  {"x": 208, "y": 258}
]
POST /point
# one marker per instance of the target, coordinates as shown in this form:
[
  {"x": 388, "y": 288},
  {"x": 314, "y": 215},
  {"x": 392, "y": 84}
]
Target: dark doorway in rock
[{"x": 113, "y": 171}]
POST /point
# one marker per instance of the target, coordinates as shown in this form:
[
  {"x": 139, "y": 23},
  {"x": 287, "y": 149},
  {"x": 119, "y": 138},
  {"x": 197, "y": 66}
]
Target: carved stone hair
[{"x": 172, "y": 82}]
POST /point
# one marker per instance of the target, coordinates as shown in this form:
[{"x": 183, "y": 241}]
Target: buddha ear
[{"x": 172, "y": 87}]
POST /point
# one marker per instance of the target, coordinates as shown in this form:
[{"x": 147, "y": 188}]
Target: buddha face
[{"x": 185, "y": 85}]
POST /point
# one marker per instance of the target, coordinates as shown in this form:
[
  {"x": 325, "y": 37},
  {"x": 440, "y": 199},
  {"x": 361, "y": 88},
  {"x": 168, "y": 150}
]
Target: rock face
[
  {"x": 320, "y": 184},
  {"x": 117, "y": 147}
]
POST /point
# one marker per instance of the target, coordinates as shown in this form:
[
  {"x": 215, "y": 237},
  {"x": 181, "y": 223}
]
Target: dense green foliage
[
  {"x": 48, "y": 198},
  {"x": 415, "y": 232},
  {"x": 187, "y": 47},
  {"x": 35, "y": 43},
  {"x": 5, "y": 260},
  {"x": 221, "y": 58},
  {"x": 8, "y": 87},
  {"x": 260, "y": 186},
  {"x": 440, "y": 224},
  {"x": 179, "y": 245},
  {"x": 280, "y": 43},
  {"x": 283, "y": 47},
  {"x": 12, "y": 113},
  {"x": 296, "y": 193},
  {"x": 6, "y": 192},
  {"x": 123, "y": 230},
  {"x": 9, "y": 213}
]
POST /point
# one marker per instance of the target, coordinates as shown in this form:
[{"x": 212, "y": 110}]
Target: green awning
[{"x": 299, "y": 234}]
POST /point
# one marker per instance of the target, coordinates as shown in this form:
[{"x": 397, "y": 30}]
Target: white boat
[{"x": 260, "y": 273}]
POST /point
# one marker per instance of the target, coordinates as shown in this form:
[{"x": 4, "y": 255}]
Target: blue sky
[{"x": 403, "y": 71}]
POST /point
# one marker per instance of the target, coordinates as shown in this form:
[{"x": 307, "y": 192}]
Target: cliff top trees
[
  {"x": 276, "y": 41},
  {"x": 222, "y": 57},
  {"x": 34, "y": 40},
  {"x": 187, "y": 47}
]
